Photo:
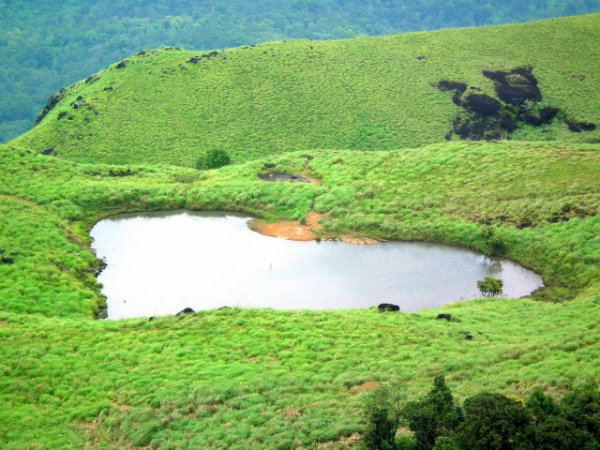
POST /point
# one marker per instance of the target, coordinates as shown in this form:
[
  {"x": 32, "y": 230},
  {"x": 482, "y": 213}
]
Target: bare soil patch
[{"x": 295, "y": 231}]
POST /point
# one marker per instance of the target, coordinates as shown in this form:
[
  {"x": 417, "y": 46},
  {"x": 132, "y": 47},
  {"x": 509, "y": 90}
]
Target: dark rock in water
[
  {"x": 388, "y": 307},
  {"x": 185, "y": 311},
  {"x": 444, "y": 316},
  {"x": 515, "y": 87},
  {"x": 101, "y": 266},
  {"x": 482, "y": 104}
]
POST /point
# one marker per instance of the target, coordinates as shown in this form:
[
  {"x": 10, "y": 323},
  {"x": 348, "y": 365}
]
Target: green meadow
[{"x": 361, "y": 117}]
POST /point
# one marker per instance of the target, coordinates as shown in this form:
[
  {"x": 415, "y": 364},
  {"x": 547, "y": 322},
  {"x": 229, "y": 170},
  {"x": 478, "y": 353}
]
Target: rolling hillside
[
  {"x": 169, "y": 106},
  {"x": 44, "y": 47},
  {"x": 370, "y": 119}
]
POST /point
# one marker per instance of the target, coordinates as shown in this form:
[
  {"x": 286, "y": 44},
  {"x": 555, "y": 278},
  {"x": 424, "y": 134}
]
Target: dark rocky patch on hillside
[
  {"x": 487, "y": 118},
  {"x": 281, "y": 176},
  {"x": 6, "y": 257},
  {"x": 52, "y": 102},
  {"x": 515, "y": 87},
  {"x": 205, "y": 56}
]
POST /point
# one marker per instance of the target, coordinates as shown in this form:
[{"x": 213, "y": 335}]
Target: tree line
[{"x": 486, "y": 421}]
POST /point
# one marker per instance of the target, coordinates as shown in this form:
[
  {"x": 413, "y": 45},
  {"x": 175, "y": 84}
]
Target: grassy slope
[
  {"x": 78, "y": 383},
  {"x": 363, "y": 93},
  {"x": 269, "y": 379}
]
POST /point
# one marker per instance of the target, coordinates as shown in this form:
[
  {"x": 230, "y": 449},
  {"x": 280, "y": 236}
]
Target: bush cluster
[
  {"x": 487, "y": 421},
  {"x": 213, "y": 159}
]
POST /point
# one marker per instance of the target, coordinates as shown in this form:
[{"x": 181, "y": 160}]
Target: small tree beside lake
[{"x": 490, "y": 287}]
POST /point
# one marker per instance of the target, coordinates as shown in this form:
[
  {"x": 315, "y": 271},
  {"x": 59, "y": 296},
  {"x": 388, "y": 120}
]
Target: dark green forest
[{"x": 48, "y": 45}]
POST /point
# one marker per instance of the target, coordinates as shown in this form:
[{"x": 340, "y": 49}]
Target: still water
[{"x": 160, "y": 263}]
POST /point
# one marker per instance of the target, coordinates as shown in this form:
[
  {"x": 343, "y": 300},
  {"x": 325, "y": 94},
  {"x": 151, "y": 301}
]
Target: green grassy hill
[
  {"x": 363, "y": 93},
  {"x": 282, "y": 379}
]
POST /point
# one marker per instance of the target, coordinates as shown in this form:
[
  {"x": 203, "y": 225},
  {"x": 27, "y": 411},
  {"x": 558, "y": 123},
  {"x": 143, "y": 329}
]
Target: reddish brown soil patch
[
  {"x": 312, "y": 220},
  {"x": 292, "y": 231},
  {"x": 367, "y": 386},
  {"x": 295, "y": 231}
]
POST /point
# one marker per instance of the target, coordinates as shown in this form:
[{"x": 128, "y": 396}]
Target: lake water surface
[{"x": 160, "y": 263}]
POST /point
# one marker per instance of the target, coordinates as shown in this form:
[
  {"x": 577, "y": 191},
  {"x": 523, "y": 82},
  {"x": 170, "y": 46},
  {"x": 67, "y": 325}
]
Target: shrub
[
  {"x": 213, "y": 159},
  {"x": 494, "y": 422},
  {"x": 433, "y": 416},
  {"x": 582, "y": 407},
  {"x": 556, "y": 432},
  {"x": 541, "y": 406},
  {"x": 496, "y": 245},
  {"x": 490, "y": 287},
  {"x": 382, "y": 415}
]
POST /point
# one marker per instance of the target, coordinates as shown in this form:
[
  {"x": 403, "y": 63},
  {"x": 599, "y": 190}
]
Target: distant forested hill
[{"x": 47, "y": 45}]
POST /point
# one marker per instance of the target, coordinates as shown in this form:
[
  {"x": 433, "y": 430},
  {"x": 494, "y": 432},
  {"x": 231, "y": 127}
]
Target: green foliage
[
  {"x": 582, "y": 407},
  {"x": 541, "y": 406},
  {"x": 433, "y": 416},
  {"x": 557, "y": 432},
  {"x": 445, "y": 443},
  {"x": 382, "y": 417},
  {"x": 494, "y": 422},
  {"x": 213, "y": 159},
  {"x": 570, "y": 425},
  {"x": 490, "y": 286},
  {"x": 496, "y": 244}
]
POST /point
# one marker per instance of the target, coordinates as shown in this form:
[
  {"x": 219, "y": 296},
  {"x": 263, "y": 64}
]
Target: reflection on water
[{"x": 160, "y": 263}]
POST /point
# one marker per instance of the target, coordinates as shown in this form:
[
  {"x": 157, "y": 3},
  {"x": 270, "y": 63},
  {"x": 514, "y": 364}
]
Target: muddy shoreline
[{"x": 295, "y": 231}]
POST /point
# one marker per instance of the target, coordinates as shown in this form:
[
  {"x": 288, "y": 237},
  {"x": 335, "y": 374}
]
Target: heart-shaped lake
[{"x": 161, "y": 263}]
